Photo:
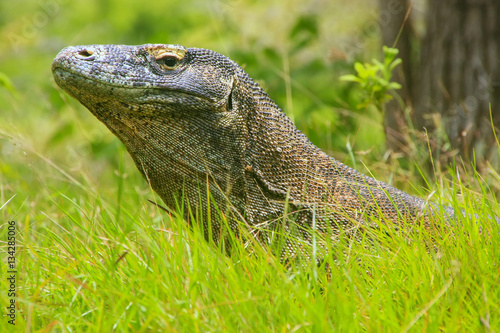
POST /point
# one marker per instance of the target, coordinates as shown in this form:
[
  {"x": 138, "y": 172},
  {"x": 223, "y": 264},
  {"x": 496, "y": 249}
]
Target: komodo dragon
[{"x": 203, "y": 133}]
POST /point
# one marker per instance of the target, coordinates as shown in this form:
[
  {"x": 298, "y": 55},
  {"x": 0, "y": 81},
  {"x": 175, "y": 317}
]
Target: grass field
[{"x": 93, "y": 255}]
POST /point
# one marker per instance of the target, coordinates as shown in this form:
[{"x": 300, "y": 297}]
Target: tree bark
[
  {"x": 457, "y": 78},
  {"x": 393, "y": 25}
]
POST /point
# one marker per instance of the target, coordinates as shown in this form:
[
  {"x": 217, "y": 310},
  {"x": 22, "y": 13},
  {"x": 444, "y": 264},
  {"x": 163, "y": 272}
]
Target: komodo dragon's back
[{"x": 203, "y": 133}]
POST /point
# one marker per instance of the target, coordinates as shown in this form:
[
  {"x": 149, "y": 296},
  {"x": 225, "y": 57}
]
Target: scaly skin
[{"x": 207, "y": 137}]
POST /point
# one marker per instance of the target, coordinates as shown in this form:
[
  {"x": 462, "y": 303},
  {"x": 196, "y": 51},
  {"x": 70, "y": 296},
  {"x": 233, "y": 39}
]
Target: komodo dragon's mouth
[{"x": 76, "y": 84}]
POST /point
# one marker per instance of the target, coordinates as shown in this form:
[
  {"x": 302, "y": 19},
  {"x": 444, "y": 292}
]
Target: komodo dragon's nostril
[{"x": 86, "y": 55}]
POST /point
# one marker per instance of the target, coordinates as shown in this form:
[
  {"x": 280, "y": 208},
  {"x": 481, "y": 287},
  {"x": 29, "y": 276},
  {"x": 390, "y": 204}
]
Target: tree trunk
[
  {"x": 457, "y": 78},
  {"x": 392, "y": 19}
]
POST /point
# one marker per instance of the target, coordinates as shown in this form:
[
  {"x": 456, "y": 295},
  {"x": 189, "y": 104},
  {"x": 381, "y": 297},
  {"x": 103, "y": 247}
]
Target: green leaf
[
  {"x": 350, "y": 77},
  {"x": 389, "y": 54},
  {"x": 359, "y": 67},
  {"x": 7, "y": 84},
  {"x": 395, "y": 63},
  {"x": 394, "y": 86}
]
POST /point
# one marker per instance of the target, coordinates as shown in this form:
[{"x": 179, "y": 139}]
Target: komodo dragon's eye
[{"x": 168, "y": 61}]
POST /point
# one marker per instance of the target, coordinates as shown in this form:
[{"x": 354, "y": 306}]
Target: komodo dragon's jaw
[{"x": 203, "y": 133}]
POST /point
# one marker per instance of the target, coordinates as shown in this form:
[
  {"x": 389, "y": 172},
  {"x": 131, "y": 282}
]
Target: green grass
[{"x": 95, "y": 256}]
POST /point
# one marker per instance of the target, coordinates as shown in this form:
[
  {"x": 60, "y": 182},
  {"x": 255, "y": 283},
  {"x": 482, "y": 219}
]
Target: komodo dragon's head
[
  {"x": 183, "y": 115},
  {"x": 148, "y": 77}
]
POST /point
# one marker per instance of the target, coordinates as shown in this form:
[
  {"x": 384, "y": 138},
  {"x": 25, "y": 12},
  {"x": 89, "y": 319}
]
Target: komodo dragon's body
[{"x": 201, "y": 131}]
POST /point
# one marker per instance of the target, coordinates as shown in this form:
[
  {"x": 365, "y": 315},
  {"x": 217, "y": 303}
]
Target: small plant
[{"x": 375, "y": 79}]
